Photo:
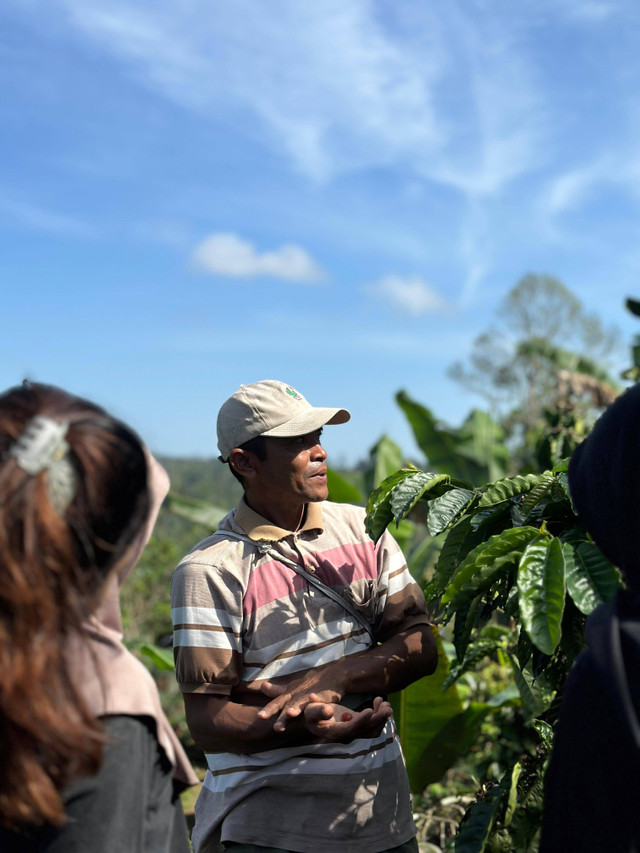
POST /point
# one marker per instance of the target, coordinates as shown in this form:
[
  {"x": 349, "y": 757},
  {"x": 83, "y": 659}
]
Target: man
[{"x": 282, "y": 682}]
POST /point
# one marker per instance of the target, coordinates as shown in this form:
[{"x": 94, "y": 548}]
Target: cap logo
[{"x": 292, "y": 393}]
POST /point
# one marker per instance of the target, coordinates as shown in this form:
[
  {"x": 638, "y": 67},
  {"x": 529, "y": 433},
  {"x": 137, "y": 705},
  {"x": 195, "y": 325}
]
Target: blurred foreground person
[
  {"x": 88, "y": 761},
  {"x": 591, "y": 798}
]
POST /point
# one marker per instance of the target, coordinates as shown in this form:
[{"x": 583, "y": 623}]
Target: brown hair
[{"x": 52, "y": 569}]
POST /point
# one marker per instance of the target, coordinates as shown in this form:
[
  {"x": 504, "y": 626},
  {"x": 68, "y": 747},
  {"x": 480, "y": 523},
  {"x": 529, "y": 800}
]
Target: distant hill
[{"x": 206, "y": 479}]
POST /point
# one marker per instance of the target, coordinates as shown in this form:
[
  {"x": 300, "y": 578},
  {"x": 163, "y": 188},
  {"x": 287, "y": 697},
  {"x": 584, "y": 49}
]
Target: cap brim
[{"x": 308, "y": 421}]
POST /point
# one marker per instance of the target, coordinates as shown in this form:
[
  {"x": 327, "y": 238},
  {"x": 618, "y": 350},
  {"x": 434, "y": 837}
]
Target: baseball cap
[{"x": 269, "y": 408}]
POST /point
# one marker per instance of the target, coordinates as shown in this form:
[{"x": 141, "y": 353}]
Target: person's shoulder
[{"x": 215, "y": 549}]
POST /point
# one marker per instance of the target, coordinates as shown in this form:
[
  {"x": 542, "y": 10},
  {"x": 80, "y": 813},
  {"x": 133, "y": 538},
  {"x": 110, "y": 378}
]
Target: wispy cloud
[
  {"x": 33, "y": 217},
  {"x": 411, "y": 295},
  {"x": 569, "y": 189},
  {"x": 230, "y": 255},
  {"x": 346, "y": 92}
]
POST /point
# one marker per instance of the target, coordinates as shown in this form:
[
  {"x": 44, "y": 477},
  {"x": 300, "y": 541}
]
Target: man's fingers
[
  {"x": 318, "y": 711},
  {"x": 272, "y": 690},
  {"x": 271, "y": 708}
]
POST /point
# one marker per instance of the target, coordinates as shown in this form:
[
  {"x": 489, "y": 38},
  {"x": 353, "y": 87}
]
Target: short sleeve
[
  {"x": 206, "y": 609},
  {"x": 401, "y": 603}
]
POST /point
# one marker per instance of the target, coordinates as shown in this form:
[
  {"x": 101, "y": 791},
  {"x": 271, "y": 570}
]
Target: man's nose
[{"x": 318, "y": 453}]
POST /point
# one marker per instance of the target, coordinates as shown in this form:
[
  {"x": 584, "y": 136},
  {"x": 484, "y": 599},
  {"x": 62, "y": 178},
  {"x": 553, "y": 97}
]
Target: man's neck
[{"x": 286, "y": 517}]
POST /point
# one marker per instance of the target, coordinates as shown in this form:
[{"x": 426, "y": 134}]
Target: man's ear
[{"x": 243, "y": 463}]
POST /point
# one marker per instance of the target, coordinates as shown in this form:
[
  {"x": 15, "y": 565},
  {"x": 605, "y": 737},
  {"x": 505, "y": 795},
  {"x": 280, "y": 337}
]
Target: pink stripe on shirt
[{"x": 340, "y": 566}]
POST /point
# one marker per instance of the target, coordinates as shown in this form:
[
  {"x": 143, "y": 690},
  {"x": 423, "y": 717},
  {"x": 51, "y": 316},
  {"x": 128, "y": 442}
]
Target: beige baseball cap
[{"x": 269, "y": 408}]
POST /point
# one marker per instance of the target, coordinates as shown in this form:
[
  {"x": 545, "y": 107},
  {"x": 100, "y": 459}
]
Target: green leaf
[
  {"x": 437, "y": 443},
  {"x": 411, "y": 489},
  {"x": 562, "y": 466},
  {"x": 421, "y": 554},
  {"x": 541, "y": 590},
  {"x": 591, "y": 578},
  {"x": 385, "y": 457},
  {"x": 161, "y": 658},
  {"x": 404, "y": 533},
  {"x": 433, "y": 727},
  {"x": 453, "y": 551},
  {"x": 467, "y": 617},
  {"x": 478, "y": 822},
  {"x": 509, "y": 487},
  {"x": 482, "y": 565},
  {"x": 474, "y": 653},
  {"x": 195, "y": 510},
  {"x": 341, "y": 491},
  {"x": 512, "y": 799},
  {"x": 446, "y": 508},
  {"x": 448, "y": 451},
  {"x": 481, "y": 440},
  {"x": 379, "y": 514},
  {"x": 534, "y": 497},
  {"x": 530, "y": 692},
  {"x": 545, "y": 731}
]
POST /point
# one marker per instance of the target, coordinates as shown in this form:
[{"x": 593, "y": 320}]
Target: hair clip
[{"x": 41, "y": 446}]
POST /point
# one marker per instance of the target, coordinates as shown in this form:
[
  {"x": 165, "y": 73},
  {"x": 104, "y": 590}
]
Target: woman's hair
[{"x": 55, "y": 555}]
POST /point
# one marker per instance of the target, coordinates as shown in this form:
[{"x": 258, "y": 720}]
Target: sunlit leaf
[
  {"x": 545, "y": 731},
  {"x": 534, "y": 497},
  {"x": 541, "y": 590},
  {"x": 379, "y": 514},
  {"x": 411, "y": 489},
  {"x": 509, "y": 487},
  {"x": 453, "y": 551},
  {"x": 481, "y": 566},
  {"x": 446, "y": 508}
]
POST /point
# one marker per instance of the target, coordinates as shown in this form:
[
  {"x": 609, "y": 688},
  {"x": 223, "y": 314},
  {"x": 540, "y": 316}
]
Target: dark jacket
[{"x": 592, "y": 790}]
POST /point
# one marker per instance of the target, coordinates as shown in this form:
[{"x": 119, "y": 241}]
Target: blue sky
[{"x": 338, "y": 194}]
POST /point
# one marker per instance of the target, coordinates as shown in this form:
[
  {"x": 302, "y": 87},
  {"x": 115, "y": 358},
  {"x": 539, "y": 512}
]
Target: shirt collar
[{"x": 259, "y": 528}]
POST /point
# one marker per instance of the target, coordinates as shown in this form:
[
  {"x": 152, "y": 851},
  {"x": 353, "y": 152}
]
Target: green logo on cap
[{"x": 290, "y": 391}]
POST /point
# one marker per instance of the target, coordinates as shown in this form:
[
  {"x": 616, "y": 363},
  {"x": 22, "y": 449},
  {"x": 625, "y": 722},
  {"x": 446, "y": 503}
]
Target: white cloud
[
  {"x": 230, "y": 255},
  {"x": 411, "y": 295}
]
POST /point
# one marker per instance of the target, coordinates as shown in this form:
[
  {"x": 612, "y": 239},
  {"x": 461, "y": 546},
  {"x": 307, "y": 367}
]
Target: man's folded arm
[{"x": 391, "y": 666}]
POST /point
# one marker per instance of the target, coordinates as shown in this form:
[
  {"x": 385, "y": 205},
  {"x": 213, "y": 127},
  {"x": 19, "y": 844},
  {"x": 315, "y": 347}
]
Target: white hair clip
[{"x": 42, "y": 446}]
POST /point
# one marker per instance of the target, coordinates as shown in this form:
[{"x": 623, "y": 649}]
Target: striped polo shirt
[{"x": 242, "y": 616}]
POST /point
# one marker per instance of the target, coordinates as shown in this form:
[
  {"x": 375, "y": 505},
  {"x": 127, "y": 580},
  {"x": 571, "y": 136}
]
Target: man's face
[{"x": 294, "y": 470}]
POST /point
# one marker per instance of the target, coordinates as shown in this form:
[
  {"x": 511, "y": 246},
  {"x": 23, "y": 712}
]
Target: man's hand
[
  {"x": 333, "y": 722},
  {"x": 386, "y": 668},
  {"x": 290, "y": 700}
]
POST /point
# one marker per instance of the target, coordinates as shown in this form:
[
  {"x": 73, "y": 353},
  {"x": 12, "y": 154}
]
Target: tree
[{"x": 541, "y": 329}]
